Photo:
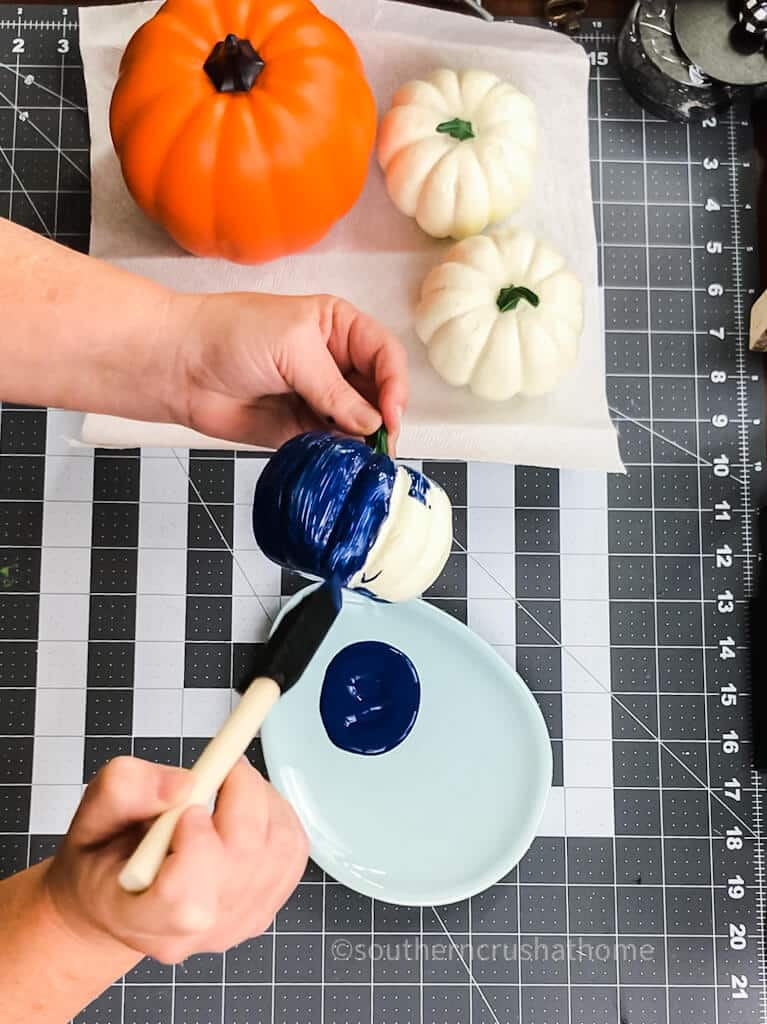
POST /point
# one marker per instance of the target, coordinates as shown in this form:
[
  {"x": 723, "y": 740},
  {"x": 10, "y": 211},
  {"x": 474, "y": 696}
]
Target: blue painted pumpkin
[{"x": 326, "y": 505}]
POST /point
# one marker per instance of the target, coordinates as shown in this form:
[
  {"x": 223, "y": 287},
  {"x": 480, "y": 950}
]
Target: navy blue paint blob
[
  {"x": 320, "y": 502},
  {"x": 370, "y": 698},
  {"x": 419, "y": 485}
]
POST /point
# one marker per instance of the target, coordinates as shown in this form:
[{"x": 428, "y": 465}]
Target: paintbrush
[{"x": 285, "y": 658}]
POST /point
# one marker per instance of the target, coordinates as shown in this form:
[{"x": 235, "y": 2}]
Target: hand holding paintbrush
[
  {"x": 197, "y": 882},
  {"x": 224, "y": 879},
  {"x": 288, "y": 652}
]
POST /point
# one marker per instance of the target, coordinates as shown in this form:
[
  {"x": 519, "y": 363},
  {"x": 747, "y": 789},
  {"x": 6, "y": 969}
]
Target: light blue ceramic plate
[{"x": 455, "y": 806}]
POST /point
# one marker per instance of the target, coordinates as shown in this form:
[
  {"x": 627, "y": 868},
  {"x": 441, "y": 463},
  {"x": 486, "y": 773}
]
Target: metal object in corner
[
  {"x": 686, "y": 60},
  {"x": 565, "y": 14},
  {"x": 658, "y": 74},
  {"x": 479, "y": 10}
]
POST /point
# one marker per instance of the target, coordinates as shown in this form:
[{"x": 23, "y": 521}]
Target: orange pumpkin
[{"x": 244, "y": 127}]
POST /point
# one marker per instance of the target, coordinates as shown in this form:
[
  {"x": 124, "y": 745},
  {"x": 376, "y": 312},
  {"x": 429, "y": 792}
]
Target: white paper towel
[{"x": 377, "y": 258}]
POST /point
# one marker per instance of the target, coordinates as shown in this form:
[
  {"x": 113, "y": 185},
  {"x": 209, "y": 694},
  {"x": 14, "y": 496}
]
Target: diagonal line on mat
[
  {"x": 39, "y": 85},
  {"x": 699, "y": 460},
  {"x": 220, "y": 532},
  {"x": 51, "y": 143},
  {"x": 24, "y": 192},
  {"x": 469, "y": 971},
  {"x": 602, "y": 687}
]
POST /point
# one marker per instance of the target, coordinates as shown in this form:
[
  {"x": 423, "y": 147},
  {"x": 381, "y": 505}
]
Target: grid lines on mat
[{"x": 126, "y": 619}]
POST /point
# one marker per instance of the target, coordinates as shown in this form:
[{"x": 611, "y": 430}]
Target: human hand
[
  {"x": 262, "y": 368},
  {"x": 222, "y": 883},
  {"x": 247, "y": 367}
]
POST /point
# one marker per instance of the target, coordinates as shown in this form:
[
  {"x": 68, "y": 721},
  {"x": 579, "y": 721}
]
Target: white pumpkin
[
  {"x": 501, "y": 314},
  {"x": 457, "y": 150}
]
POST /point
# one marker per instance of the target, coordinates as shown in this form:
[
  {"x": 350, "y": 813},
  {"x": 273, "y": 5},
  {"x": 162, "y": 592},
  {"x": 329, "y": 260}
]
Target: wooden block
[{"x": 757, "y": 334}]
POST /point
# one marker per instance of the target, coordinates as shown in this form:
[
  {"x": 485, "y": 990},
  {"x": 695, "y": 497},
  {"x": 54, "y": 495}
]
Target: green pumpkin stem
[
  {"x": 379, "y": 441},
  {"x": 457, "y": 129},
  {"x": 233, "y": 65},
  {"x": 509, "y": 298}
]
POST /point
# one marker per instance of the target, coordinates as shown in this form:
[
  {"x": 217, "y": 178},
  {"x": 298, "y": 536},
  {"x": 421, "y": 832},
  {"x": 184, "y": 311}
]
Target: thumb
[
  {"x": 323, "y": 387},
  {"x": 125, "y": 792}
]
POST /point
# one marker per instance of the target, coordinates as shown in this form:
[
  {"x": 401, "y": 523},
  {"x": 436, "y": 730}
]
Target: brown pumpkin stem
[{"x": 233, "y": 65}]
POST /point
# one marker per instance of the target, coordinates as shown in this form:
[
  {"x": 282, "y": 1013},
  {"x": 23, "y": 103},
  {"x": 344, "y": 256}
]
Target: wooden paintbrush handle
[{"x": 216, "y": 761}]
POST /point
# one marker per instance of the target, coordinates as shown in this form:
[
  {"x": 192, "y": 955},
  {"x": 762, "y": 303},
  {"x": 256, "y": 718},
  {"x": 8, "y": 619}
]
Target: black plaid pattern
[
  {"x": 209, "y": 574},
  {"x": 114, "y": 581},
  {"x": 22, "y": 473}
]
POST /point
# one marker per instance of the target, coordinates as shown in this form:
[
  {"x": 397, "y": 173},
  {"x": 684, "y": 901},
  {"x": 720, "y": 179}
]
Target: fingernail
[
  {"x": 396, "y": 421},
  {"x": 173, "y": 784},
  {"x": 395, "y": 434},
  {"x": 366, "y": 415}
]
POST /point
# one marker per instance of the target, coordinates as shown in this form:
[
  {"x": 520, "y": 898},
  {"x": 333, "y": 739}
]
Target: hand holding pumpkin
[
  {"x": 262, "y": 368},
  {"x": 246, "y": 367}
]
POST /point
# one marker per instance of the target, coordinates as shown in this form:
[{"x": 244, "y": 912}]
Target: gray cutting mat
[{"x": 124, "y": 620}]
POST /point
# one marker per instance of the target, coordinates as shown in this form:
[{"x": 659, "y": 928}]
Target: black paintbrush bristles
[{"x": 295, "y": 641}]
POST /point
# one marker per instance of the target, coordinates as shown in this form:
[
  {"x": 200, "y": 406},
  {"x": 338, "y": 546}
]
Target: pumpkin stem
[
  {"x": 509, "y": 298},
  {"x": 379, "y": 441},
  {"x": 233, "y": 65},
  {"x": 457, "y": 129}
]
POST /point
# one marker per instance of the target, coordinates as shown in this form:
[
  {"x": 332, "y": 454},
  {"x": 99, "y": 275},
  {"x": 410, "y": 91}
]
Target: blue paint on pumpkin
[
  {"x": 320, "y": 502},
  {"x": 370, "y": 698},
  {"x": 419, "y": 486}
]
